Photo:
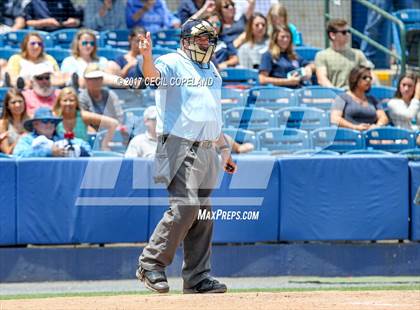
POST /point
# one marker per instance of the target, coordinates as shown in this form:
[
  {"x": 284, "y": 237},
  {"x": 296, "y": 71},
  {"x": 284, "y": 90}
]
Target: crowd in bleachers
[{"x": 59, "y": 64}]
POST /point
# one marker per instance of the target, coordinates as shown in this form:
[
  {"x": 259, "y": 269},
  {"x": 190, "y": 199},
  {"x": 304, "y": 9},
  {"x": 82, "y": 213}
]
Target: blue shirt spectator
[
  {"x": 223, "y": 52},
  {"x": 43, "y": 140},
  {"x": 195, "y": 9},
  {"x": 51, "y": 14},
  {"x": 281, "y": 66},
  {"x": 153, "y": 15},
  {"x": 11, "y": 14},
  {"x": 105, "y": 14}
]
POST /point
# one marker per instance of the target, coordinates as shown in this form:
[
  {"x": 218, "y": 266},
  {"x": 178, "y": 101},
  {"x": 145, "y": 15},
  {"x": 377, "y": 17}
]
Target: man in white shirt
[{"x": 144, "y": 145}]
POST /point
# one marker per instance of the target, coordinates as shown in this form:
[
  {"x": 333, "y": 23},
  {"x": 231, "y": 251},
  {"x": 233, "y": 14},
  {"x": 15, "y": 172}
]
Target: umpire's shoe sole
[
  {"x": 153, "y": 280},
  {"x": 207, "y": 286}
]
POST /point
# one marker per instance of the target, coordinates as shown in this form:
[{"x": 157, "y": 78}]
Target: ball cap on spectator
[
  {"x": 150, "y": 113},
  {"x": 41, "y": 68},
  {"x": 93, "y": 72},
  {"x": 42, "y": 113}
]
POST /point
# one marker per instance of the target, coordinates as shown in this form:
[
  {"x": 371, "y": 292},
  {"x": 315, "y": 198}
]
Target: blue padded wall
[
  {"x": 344, "y": 198},
  {"x": 79, "y": 201},
  {"x": 415, "y": 209},
  {"x": 254, "y": 188},
  {"x": 7, "y": 202}
]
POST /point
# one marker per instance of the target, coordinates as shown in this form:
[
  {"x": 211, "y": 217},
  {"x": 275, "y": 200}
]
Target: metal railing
[{"x": 401, "y": 58}]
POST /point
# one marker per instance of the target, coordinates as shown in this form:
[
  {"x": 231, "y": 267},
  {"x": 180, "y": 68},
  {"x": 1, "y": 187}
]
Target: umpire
[{"x": 189, "y": 122}]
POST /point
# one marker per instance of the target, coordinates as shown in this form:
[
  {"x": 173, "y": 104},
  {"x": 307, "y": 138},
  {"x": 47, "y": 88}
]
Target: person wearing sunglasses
[
  {"x": 84, "y": 52},
  {"x": 43, "y": 139},
  {"x": 232, "y": 29},
  {"x": 42, "y": 93},
  {"x": 11, "y": 121},
  {"x": 355, "y": 109},
  {"x": 334, "y": 64},
  {"x": 153, "y": 15},
  {"x": 32, "y": 53}
]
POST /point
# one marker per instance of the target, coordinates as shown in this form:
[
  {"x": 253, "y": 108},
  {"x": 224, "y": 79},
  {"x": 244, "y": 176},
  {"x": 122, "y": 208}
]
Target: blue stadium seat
[
  {"x": 115, "y": 38},
  {"x": 242, "y": 136},
  {"x": 382, "y": 93},
  {"x": 133, "y": 120},
  {"x": 317, "y": 96},
  {"x": 368, "y": 152},
  {"x": 110, "y": 53},
  {"x": 307, "y": 52},
  {"x": 271, "y": 97},
  {"x": 63, "y": 38},
  {"x": 13, "y": 39},
  {"x": 106, "y": 154},
  {"x": 337, "y": 139},
  {"x": 239, "y": 77},
  {"x": 3, "y": 92},
  {"x": 167, "y": 35},
  {"x": 58, "y": 53},
  {"x": 283, "y": 140},
  {"x": 6, "y": 53},
  {"x": 389, "y": 139},
  {"x": 411, "y": 154},
  {"x": 118, "y": 143},
  {"x": 233, "y": 98},
  {"x": 311, "y": 152},
  {"x": 302, "y": 118},
  {"x": 249, "y": 118}
]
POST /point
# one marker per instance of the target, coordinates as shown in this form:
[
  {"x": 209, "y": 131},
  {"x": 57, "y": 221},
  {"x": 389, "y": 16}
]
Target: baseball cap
[
  {"x": 41, "y": 68},
  {"x": 93, "y": 72},
  {"x": 150, "y": 113}
]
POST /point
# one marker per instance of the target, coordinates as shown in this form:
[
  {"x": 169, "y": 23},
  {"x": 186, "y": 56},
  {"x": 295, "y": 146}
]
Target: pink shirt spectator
[{"x": 34, "y": 101}]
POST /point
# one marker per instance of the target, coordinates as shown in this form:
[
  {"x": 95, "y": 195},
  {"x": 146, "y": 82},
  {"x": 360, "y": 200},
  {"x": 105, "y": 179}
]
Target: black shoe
[
  {"x": 7, "y": 82},
  {"x": 20, "y": 83},
  {"x": 153, "y": 280},
  {"x": 208, "y": 285}
]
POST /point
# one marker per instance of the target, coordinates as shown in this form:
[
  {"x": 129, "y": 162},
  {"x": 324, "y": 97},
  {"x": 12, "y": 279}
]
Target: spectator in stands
[
  {"x": 144, "y": 145},
  {"x": 225, "y": 54},
  {"x": 84, "y": 48},
  {"x": 77, "y": 120},
  {"x": 238, "y": 148},
  {"x": 153, "y": 15},
  {"x": 277, "y": 16},
  {"x": 105, "y": 15},
  {"x": 43, "y": 140},
  {"x": 32, "y": 53},
  {"x": 195, "y": 9},
  {"x": 356, "y": 110},
  {"x": 42, "y": 93},
  {"x": 406, "y": 105},
  {"x": 12, "y": 118},
  {"x": 129, "y": 65},
  {"x": 280, "y": 65},
  {"x": 232, "y": 29},
  {"x": 334, "y": 64},
  {"x": 256, "y": 42},
  {"x": 11, "y": 15},
  {"x": 51, "y": 15},
  {"x": 95, "y": 98}
]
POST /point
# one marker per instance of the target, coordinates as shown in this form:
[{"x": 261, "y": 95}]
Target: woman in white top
[
  {"x": 406, "y": 106},
  {"x": 84, "y": 50},
  {"x": 32, "y": 53},
  {"x": 12, "y": 119},
  {"x": 256, "y": 42}
]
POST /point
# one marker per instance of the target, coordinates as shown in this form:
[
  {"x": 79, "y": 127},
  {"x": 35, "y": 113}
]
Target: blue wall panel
[
  {"x": 7, "y": 202},
  {"x": 77, "y": 201},
  {"x": 415, "y": 209},
  {"x": 345, "y": 198}
]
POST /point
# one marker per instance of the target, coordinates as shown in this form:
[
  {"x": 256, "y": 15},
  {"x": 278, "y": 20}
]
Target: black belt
[{"x": 205, "y": 144}]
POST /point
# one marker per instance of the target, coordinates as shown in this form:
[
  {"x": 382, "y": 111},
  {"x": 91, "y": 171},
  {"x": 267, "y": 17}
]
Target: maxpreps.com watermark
[
  {"x": 220, "y": 214},
  {"x": 163, "y": 82}
]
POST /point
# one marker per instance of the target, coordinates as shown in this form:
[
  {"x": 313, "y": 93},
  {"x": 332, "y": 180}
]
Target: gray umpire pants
[{"x": 190, "y": 173}]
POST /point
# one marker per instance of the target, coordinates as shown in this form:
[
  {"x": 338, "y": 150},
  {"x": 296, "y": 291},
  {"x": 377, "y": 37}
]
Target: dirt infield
[{"x": 347, "y": 300}]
